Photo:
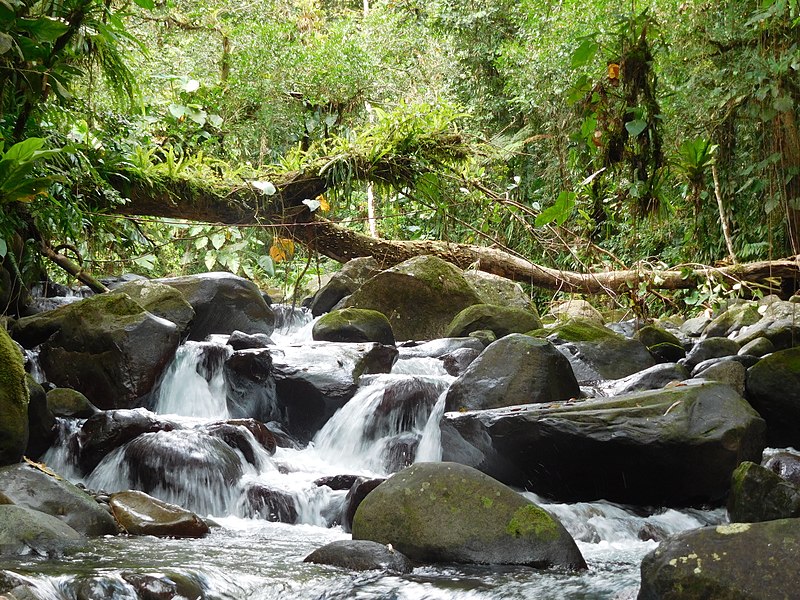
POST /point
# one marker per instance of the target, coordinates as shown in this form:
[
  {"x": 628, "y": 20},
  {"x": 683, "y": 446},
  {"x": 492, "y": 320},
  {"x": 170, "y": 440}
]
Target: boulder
[
  {"x": 13, "y": 402},
  {"x": 577, "y": 308},
  {"x": 758, "y": 347},
  {"x": 446, "y": 512},
  {"x": 733, "y": 319},
  {"x": 786, "y": 464},
  {"x": 353, "y": 274},
  {"x": 270, "y": 504},
  {"x": 516, "y": 369},
  {"x": 25, "y": 531},
  {"x": 242, "y": 341},
  {"x": 739, "y": 561},
  {"x": 676, "y": 446},
  {"x": 456, "y": 362},
  {"x": 360, "y": 555},
  {"x": 500, "y": 320},
  {"x": 360, "y": 489},
  {"x": 760, "y": 494},
  {"x": 140, "y": 514},
  {"x": 597, "y": 352},
  {"x": 780, "y": 324},
  {"x": 64, "y": 402},
  {"x": 773, "y": 388},
  {"x": 437, "y": 348},
  {"x": 106, "y": 347},
  {"x": 710, "y": 347},
  {"x": 654, "y": 378},
  {"x": 250, "y": 385},
  {"x": 662, "y": 344},
  {"x": 46, "y": 492},
  {"x": 725, "y": 371},
  {"x": 419, "y": 296},
  {"x": 353, "y": 325},
  {"x": 41, "y": 421},
  {"x": 160, "y": 299},
  {"x": 497, "y": 290},
  {"x": 223, "y": 303}
]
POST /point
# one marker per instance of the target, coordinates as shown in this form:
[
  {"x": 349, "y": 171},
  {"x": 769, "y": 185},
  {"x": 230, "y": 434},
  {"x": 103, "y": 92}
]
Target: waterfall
[{"x": 430, "y": 445}]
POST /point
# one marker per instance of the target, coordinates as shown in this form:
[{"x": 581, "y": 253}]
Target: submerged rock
[
  {"x": 13, "y": 402},
  {"x": 25, "y": 531},
  {"x": 739, "y": 561},
  {"x": 446, "y": 512},
  {"x": 360, "y": 555},
  {"x": 676, "y": 446},
  {"x": 140, "y": 514},
  {"x": 36, "y": 489}
]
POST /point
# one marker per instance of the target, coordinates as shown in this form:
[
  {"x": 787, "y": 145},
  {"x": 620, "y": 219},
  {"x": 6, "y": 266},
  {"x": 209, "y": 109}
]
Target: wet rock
[
  {"x": 671, "y": 447},
  {"x": 494, "y": 289},
  {"x": 738, "y": 561},
  {"x": 270, "y": 504},
  {"x": 654, "y": 378},
  {"x": 44, "y": 491},
  {"x": 21, "y": 592},
  {"x": 500, "y": 320},
  {"x": 100, "y": 587},
  {"x": 41, "y": 422},
  {"x": 64, "y": 402},
  {"x": 151, "y": 587},
  {"x": 141, "y": 514},
  {"x": 360, "y": 555},
  {"x": 746, "y": 360},
  {"x": 106, "y": 347},
  {"x": 516, "y": 369},
  {"x": 419, "y": 296},
  {"x": 576, "y": 308},
  {"x": 355, "y": 496},
  {"x": 726, "y": 371},
  {"x": 13, "y": 402},
  {"x": 694, "y": 327},
  {"x": 773, "y": 388},
  {"x": 337, "y": 482},
  {"x": 438, "y": 348},
  {"x": 405, "y": 404},
  {"x": 354, "y": 274},
  {"x": 223, "y": 303},
  {"x": 160, "y": 299},
  {"x": 354, "y": 325},
  {"x": 662, "y": 344},
  {"x": 26, "y": 531},
  {"x": 242, "y": 341},
  {"x": 185, "y": 466},
  {"x": 597, "y": 352},
  {"x": 456, "y": 362},
  {"x": 238, "y": 438},
  {"x": 758, "y": 347},
  {"x": 786, "y": 465},
  {"x": 250, "y": 386},
  {"x": 711, "y": 347},
  {"x": 400, "y": 451},
  {"x": 446, "y": 512},
  {"x": 108, "y": 430},
  {"x": 759, "y": 494},
  {"x": 314, "y": 380},
  {"x": 282, "y": 438}
]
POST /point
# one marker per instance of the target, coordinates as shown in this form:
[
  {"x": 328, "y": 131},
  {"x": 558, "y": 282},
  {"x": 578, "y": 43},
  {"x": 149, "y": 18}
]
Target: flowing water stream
[{"x": 248, "y": 556}]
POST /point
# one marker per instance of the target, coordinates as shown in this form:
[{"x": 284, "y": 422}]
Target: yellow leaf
[
  {"x": 282, "y": 249},
  {"x": 613, "y": 71},
  {"x": 323, "y": 203}
]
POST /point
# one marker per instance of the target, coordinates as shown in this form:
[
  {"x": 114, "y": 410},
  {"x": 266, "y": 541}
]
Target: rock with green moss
[
  {"x": 773, "y": 388},
  {"x": 41, "y": 422},
  {"x": 354, "y": 325},
  {"x": 162, "y": 300},
  {"x": 13, "y": 402},
  {"x": 500, "y": 320},
  {"x": 738, "y": 561},
  {"x": 107, "y": 347},
  {"x": 516, "y": 369},
  {"x": 759, "y": 494},
  {"x": 708, "y": 348},
  {"x": 577, "y": 308},
  {"x": 675, "y": 446},
  {"x": 65, "y": 402},
  {"x": 595, "y": 352},
  {"x": 733, "y": 319},
  {"x": 24, "y": 531},
  {"x": 494, "y": 289},
  {"x": 780, "y": 324},
  {"x": 662, "y": 344},
  {"x": 446, "y": 512},
  {"x": 419, "y": 297},
  {"x": 354, "y": 273}
]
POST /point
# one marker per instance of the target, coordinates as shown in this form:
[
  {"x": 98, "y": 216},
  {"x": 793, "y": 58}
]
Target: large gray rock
[
  {"x": 759, "y": 494},
  {"x": 341, "y": 284},
  {"x": 677, "y": 446},
  {"x": 733, "y": 319},
  {"x": 13, "y": 402},
  {"x": 500, "y": 320},
  {"x": 160, "y": 299},
  {"x": 654, "y": 378},
  {"x": 223, "y": 303},
  {"x": 106, "y": 347},
  {"x": 25, "y": 531},
  {"x": 140, "y": 514},
  {"x": 445, "y": 512},
  {"x": 354, "y": 325},
  {"x": 33, "y": 488},
  {"x": 780, "y": 324},
  {"x": 494, "y": 289},
  {"x": 739, "y": 561},
  {"x": 419, "y": 296},
  {"x": 64, "y": 402},
  {"x": 773, "y": 388},
  {"x": 710, "y": 347},
  {"x": 360, "y": 555},
  {"x": 516, "y": 369}
]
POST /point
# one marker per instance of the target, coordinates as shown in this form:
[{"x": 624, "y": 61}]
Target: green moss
[
  {"x": 530, "y": 520},
  {"x": 487, "y": 502},
  {"x": 576, "y": 330},
  {"x": 13, "y": 402}
]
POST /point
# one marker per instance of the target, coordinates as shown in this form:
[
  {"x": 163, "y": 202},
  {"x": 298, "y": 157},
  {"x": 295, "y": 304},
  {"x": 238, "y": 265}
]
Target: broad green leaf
[
  {"x": 266, "y": 263},
  {"x": 210, "y": 259},
  {"x": 584, "y": 53},
  {"x": 177, "y": 110},
  {"x": 44, "y": 29},
  {"x": 148, "y": 261},
  {"x": 201, "y": 243},
  {"x": 146, "y": 4},
  {"x": 783, "y": 104},
  {"x": 3, "y": 248},
  {"x": 198, "y": 116},
  {"x": 218, "y": 240},
  {"x": 6, "y": 42},
  {"x": 636, "y": 127},
  {"x": 215, "y": 120},
  {"x": 24, "y": 150},
  {"x": 191, "y": 86},
  {"x": 559, "y": 212}
]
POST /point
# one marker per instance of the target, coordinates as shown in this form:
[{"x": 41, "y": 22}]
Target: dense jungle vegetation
[{"x": 583, "y": 135}]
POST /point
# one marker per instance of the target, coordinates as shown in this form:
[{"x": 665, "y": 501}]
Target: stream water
[{"x": 247, "y": 556}]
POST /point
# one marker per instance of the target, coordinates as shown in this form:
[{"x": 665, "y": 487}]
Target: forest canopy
[{"x": 180, "y": 136}]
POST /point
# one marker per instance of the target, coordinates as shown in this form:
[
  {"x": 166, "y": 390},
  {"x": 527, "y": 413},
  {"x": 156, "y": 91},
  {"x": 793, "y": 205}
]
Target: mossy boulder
[
  {"x": 577, "y": 308},
  {"x": 595, "y": 352},
  {"x": 43, "y": 491},
  {"x": 738, "y": 561},
  {"x": 65, "y": 402},
  {"x": 710, "y": 347},
  {"x": 24, "y": 531},
  {"x": 140, "y": 514},
  {"x": 162, "y": 300},
  {"x": 106, "y": 347},
  {"x": 446, "y": 512},
  {"x": 419, "y": 296},
  {"x": 494, "y": 289},
  {"x": 733, "y": 319},
  {"x": 759, "y": 494},
  {"x": 516, "y": 369},
  {"x": 780, "y": 324},
  {"x": 500, "y": 320},
  {"x": 354, "y": 325},
  {"x": 341, "y": 284},
  {"x": 13, "y": 402},
  {"x": 773, "y": 388},
  {"x": 662, "y": 344}
]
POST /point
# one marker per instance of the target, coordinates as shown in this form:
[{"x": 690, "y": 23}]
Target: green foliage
[{"x": 18, "y": 182}]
